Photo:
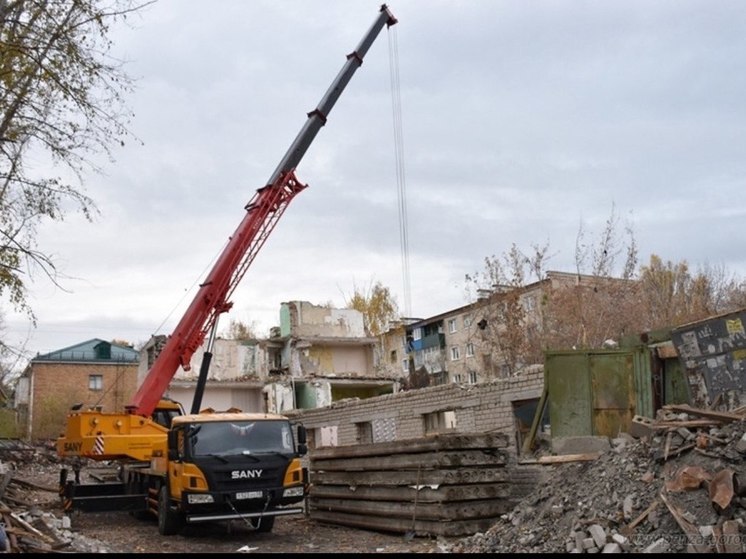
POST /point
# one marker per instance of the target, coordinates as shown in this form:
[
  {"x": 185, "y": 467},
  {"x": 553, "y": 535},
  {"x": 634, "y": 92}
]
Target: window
[
  {"x": 457, "y": 377},
  {"x": 470, "y": 349},
  {"x": 103, "y": 350},
  {"x": 452, "y": 325},
  {"x": 455, "y": 353},
  {"x": 467, "y": 321},
  {"x": 393, "y": 356},
  {"x": 417, "y": 334},
  {"x": 364, "y": 432},
  {"x": 405, "y": 365},
  {"x": 472, "y": 377},
  {"x": 439, "y": 421},
  {"x": 95, "y": 382}
]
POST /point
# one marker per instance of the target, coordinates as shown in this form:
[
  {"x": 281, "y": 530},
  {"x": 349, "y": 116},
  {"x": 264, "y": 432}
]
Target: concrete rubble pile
[
  {"x": 31, "y": 516},
  {"x": 677, "y": 486}
]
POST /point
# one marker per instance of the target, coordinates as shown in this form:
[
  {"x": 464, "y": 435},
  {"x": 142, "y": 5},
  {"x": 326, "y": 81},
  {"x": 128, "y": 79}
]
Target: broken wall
[
  {"x": 477, "y": 408},
  {"x": 302, "y": 319}
]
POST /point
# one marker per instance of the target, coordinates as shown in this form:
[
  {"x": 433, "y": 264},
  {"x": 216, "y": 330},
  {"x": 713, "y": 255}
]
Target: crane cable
[{"x": 399, "y": 157}]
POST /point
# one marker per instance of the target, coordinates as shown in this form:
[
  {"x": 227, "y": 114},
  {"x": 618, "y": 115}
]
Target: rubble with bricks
[{"x": 673, "y": 487}]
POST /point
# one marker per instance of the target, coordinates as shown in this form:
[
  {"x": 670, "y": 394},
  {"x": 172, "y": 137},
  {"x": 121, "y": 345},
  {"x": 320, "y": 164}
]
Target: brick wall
[
  {"x": 57, "y": 386},
  {"x": 477, "y": 408}
]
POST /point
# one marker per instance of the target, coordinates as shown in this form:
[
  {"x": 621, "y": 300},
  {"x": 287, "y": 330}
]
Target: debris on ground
[
  {"x": 675, "y": 488},
  {"x": 31, "y": 520},
  {"x": 677, "y": 484}
]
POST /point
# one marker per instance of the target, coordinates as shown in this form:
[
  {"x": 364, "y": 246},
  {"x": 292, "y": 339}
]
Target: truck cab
[{"x": 224, "y": 466}]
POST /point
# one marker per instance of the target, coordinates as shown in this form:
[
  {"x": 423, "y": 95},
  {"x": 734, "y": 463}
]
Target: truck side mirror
[
  {"x": 173, "y": 452},
  {"x": 302, "y": 446}
]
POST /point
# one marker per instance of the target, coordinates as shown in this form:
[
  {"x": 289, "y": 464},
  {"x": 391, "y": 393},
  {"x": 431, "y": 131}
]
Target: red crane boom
[{"x": 262, "y": 214}]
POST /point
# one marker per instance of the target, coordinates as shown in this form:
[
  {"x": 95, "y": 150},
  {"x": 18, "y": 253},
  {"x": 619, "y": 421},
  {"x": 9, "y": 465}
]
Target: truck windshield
[{"x": 241, "y": 437}]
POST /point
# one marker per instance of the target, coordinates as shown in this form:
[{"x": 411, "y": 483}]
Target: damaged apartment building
[
  {"x": 316, "y": 356},
  {"x": 320, "y": 356}
]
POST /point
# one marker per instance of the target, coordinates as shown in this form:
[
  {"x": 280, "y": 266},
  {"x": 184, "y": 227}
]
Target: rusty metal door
[
  {"x": 590, "y": 393},
  {"x": 569, "y": 391},
  {"x": 613, "y": 389}
]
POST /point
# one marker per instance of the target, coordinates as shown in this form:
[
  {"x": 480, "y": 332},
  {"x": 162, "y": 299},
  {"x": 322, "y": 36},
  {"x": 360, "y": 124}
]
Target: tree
[
  {"x": 602, "y": 302},
  {"x": 673, "y": 295},
  {"x": 61, "y": 101},
  {"x": 501, "y": 329},
  {"x": 377, "y": 305},
  {"x": 237, "y": 330},
  {"x": 607, "y": 297}
]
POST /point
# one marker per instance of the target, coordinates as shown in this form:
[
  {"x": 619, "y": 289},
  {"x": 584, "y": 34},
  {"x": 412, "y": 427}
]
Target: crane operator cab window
[
  {"x": 219, "y": 438},
  {"x": 166, "y": 411}
]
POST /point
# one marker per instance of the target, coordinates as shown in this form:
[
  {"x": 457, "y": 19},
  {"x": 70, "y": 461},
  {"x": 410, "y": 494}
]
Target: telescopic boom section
[{"x": 263, "y": 212}]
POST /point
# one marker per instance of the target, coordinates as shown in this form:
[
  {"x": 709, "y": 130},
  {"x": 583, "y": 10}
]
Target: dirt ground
[{"x": 119, "y": 532}]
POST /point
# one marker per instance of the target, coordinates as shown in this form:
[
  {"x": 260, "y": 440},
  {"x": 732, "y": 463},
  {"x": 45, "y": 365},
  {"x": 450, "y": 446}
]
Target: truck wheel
[
  {"x": 263, "y": 524},
  {"x": 169, "y": 521}
]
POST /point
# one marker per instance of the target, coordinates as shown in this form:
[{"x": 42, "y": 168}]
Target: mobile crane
[{"x": 206, "y": 465}]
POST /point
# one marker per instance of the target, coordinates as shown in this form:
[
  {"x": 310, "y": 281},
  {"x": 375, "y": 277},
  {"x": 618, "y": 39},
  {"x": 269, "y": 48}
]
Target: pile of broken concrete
[{"x": 673, "y": 489}]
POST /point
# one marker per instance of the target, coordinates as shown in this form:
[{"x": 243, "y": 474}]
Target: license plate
[{"x": 248, "y": 495}]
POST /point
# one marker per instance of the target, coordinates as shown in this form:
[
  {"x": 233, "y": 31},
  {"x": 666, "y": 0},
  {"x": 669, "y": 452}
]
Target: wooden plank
[
  {"x": 427, "y": 444},
  {"x": 731, "y": 540},
  {"x": 710, "y": 414},
  {"x": 687, "y": 423},
  {"x": 691, "y": 531},
  {"x": 627, "y": 530},
  {"x": 426, "y": 511},
  {"x": 562, "y": 458},
  {"x": 421, "y": 527},
  {"x": 437, "y": 459},
  {"x": 427, "y": 477},
  {"x": 427, "y": 494}
]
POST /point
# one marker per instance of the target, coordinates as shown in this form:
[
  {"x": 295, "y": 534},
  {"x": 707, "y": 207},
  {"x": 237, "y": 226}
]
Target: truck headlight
[
  {"x": 293, "y": 492},
  {"x": 199, "y": 498}
]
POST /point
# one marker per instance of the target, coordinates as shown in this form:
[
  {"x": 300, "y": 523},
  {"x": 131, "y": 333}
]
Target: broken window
[
  {"x": 364, "y": 432},
  {"x": 439, "y": 421},
  {"x": 392, "y": 356},
  {"x": 523, "y": 413}
]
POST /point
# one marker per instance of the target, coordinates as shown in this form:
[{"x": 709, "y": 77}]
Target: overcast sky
[{"x": 522, "y": 122}]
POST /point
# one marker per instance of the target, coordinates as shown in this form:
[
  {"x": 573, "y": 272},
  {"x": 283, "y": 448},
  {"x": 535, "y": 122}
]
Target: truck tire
[
  {"x": 263, "y": 524},
  {"x": 169, "y": 521}
]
